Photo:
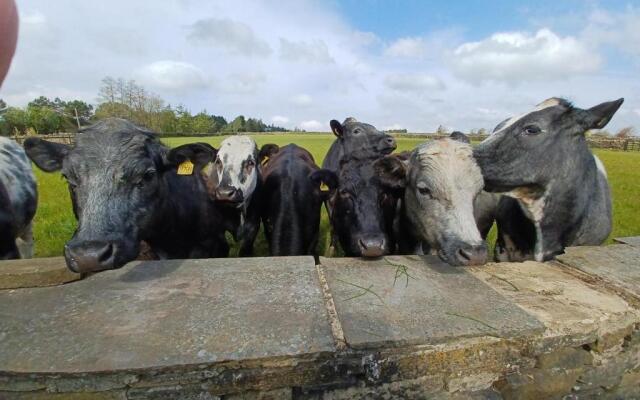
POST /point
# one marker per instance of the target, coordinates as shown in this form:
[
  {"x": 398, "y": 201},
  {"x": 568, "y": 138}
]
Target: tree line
[{"x": 122, "y": 99}]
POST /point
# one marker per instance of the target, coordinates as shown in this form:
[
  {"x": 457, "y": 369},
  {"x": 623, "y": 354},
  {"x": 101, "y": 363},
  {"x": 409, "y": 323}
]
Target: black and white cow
[
  {"x": 292, "y": 195},
  {"x": 18, "y": 201},
  {"x": 558, "y": 194},
  {"x": 125, "y": 189},
  {"x": 356, "y": 139},
  {"x": 439, "y": 182},
  {"x": 234, "y": 183}
]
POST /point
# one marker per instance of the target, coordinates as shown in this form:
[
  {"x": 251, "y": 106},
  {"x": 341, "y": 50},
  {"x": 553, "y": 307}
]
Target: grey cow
[
  {"x": 440, "y": 182},
  {"x": 18, "y": 201},
  {"x": 557, "y": 193}
]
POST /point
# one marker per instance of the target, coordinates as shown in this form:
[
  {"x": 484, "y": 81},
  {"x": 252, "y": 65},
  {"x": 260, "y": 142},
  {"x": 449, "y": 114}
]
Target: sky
[{"x": 300, "y": 63}]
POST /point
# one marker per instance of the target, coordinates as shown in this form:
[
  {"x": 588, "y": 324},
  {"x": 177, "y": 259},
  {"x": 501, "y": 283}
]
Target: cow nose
[
  {"x": 472, "y": 255},
  {"x": 371, "y": 247},
  {"x": 227, "y": 193},
  {"x": 90, "y": 256},
  {"x": 391, "y": 142}
]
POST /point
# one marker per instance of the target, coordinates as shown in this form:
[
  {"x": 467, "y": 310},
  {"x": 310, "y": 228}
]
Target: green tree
[
  {"x": 237, "y": 125},
  {"x": 15, "y": 121},
  {"x": 44, "y": 120},
  {"x": 202, "y": 123}
]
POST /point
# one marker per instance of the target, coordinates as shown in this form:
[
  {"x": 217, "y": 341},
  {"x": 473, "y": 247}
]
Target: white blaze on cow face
[
  {"x": 442, "y": 184},
  {"x": 236, "y": 165},
  {"x": 503, "y": 126}
]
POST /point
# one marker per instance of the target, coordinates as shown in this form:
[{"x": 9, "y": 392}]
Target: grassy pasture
[{"x": 54, "y": 221}]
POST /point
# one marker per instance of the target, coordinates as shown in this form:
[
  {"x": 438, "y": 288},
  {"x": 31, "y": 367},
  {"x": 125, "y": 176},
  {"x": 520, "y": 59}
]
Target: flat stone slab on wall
[
  {"x": 154, "y": 314},
  {"x": 35, "y": 273},
  {"x": 616, "y": 264},
  {"x": 631, "y": 240},
  {"x": 409, "y": 300}
]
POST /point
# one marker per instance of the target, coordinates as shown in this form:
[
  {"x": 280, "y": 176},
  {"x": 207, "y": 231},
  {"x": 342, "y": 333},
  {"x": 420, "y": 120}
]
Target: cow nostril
[
  {"x": 464, "y": 255},
  {"x": 371, "y": 247},
  {"x": 105, "y": 254}
]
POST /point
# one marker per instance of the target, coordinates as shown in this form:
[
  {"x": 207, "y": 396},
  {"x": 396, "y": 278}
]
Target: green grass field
[{"x": 54, "y": 221}]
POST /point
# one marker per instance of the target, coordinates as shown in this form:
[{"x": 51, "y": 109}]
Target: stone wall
[{"x": 284, "y": 328}]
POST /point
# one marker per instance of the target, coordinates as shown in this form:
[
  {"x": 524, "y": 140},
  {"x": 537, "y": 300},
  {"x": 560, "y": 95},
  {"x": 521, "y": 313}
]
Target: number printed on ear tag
[
  {"x": 264, "y": 160},
  {"x": 186, "y": 168},
  {"x": 324, "y": 187}
]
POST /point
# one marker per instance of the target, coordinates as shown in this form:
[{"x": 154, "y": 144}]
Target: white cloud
[
  {"x": 315, "y": 51},
  {"x": 35, "y": 18},
  {"x": 242, "y": 82},
  {"x": 279, "y": 119},
  {"x": 302, "y": 100},
  {"x": 621, "y": 30},
  {"x": 413, "y": 82},
  {"x": 410, "y": 47},
  {"x": 313, "y": 126},
  {"x": 236, "y": 37},
  {"x": 514, "y": 57},
  {"x": 172, "y": 75}
]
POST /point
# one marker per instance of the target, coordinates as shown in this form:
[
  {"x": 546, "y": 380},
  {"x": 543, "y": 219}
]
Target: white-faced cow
[
  {"x": 18, "y": 201},
  {"x": 234, "y": 183},
  {"x": 125, "y": 189},
  {"x": 440, "y": 182},
  {"x": 558, "y": 194},
  {"x": 356, "y": 139},
  {"x": 292, "y": 195}
]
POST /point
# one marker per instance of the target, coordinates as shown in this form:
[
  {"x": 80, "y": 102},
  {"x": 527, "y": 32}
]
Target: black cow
[
  {"x": 363, "y": 209},
  {"x": 18, "y": 201},
  {"x": 292, "y": 195},
  {"x": 124, "y": 188},
  {"x": 356, "y": 139}
]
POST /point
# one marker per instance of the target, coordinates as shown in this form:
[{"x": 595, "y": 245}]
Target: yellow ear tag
[
  {"x": 264, "y": 160},
  {"x": 186, "y": 168},
  {"x": 324, "y": 187}
]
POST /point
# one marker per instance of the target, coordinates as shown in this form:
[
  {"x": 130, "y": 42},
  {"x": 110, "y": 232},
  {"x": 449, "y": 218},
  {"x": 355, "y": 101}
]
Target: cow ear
[
  {"x": 391, "y": 171},
  {"x": 325, "y": 180},
  {"x": 200, "y": 154},
  {"x": 266, "y": 151},
  {"x": 48, "y": 156},
  {"x": 600, "y": 115},
  {"x": 336, "y": 128}
]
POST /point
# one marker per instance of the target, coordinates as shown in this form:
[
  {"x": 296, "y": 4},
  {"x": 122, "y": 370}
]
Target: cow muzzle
[
  {"x": 387, "y": 145},
  {"x": 372, "y": 246},
  {"x": 466, "y": 255},
  {"x": 229, "y": 194},
  {"x": 91, "y": 256}
]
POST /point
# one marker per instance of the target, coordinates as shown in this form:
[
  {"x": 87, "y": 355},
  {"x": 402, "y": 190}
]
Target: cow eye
[
  {"x": 532, "y": 130},
  {"x": 357, "y": 131},
  {"x": 345, "y": 193},
  {"x": 250, "y": 163},
  {"x": 149, "y": 175},
  {"x": 218, "y": 163},
  {"x": 424, "y": 190}
]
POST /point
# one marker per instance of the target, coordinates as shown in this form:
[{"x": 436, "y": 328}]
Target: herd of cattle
[{"x": 534, "y": 176}]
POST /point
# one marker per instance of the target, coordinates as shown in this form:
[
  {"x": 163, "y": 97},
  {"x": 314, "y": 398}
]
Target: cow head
[
  {"x": 440, "y": 181},
  {"x": 361, "y": 140},
  {"x": 116, "y": 178},
  {"x": 527, "y": 152},
  {"x": 362, "y": 210},
  {"x": 235, "y": 173}
]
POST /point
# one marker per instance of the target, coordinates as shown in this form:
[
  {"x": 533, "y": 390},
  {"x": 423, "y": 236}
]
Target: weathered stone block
[
  {"x": 167, "y": 313},
  {"x": 616, "y": 264},
  {"x": 567, "y": 358},
  {"x": 631, "y": 240},
  {"x": 36, "y": 272},
  {"x": 538, "y": 384},
  {"x": 398, "y": 301},
  {"x": 574, "y": 312}
]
